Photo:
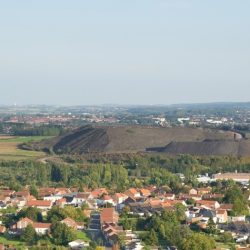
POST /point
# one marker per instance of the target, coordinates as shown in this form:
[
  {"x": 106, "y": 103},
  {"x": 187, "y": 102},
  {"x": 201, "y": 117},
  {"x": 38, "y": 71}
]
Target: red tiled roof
[
  {"x": 120, "y": 195},
  {"x": 69, "y": 222},
  {"x": 41, "y": 225},
  {"x": 221, "y": 211},
  {"x": 39, "y": 203},
  {"x": 155, "y": 202},
  {"x": 62, "y": 200},
  {"x": 145, "y": 192},
  {"x": 82, "y": 195},
  {"x": 133, "y": 191},
  {"x": 98, "y": 192},
  {"x": 22, "y": 193},
  {"x": 26, "y": 219},
  {"x": 108, "y": 215},
  {"x": 206, "y": 202},
  {"x": 226, "y": 206},
  {"x": 2, "y": 229}
]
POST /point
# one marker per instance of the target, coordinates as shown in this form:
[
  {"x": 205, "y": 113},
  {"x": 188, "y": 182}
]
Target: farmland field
[{"x": 9, "y": 147}]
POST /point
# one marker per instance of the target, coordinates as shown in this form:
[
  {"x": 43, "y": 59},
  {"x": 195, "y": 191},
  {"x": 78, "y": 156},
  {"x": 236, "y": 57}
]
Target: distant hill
[{"x": 125, "y": 139}]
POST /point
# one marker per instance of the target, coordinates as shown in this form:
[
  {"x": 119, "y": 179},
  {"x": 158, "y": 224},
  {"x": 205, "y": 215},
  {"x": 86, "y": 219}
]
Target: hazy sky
[{"x": 124, "y": 51}]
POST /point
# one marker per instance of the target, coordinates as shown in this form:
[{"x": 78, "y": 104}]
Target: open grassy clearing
[
  {"x": 17, "y": 244},
  {"x": 82, "y": 236},
  {"x": 9, "y": 147}
]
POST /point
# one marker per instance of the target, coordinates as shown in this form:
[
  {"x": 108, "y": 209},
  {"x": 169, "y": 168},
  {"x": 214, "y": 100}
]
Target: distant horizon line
[{"x": 124, "y": 105}]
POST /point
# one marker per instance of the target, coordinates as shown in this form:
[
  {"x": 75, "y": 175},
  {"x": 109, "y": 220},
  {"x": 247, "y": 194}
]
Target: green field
[
  {"x": 9, "y": 147},
  {"x": 82, "y": 236},
  {"x": 22, "y": 139},
  {"x": 17, "y": 244}
]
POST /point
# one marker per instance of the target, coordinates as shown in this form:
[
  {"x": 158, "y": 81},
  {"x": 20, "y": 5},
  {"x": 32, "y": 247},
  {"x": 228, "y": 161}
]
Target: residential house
[
  {"x": 111, "y": 232},
  {"x": 119, "y": 198},
  {"x": 40, "y": 228},
  {"x": 207, "y": 214},
  {"x": 217, "y": 197},
  {"x": 228, "y": 207},
  {"x": 195, "y": 197},
  {"x": 109, "y": 215},
  {"x": 23, "y": 223},
  {"x": 73, "y": 224},
  {"x": 40, "y": 204},
  {"x": 221, "y": 215},
  {"x": 210, "y": 204},
  {"x": 46, "y": 191},
  {"x": 132, "y": 192},
  {"x": 81, "y": 198},
  {"x": 96, "y": 193},
  {"x": 176, "y": 202},
  {"x": 61, "y": 202},
  {"x": 169, "y": 196},
  {"x": 4, "y": 199},
  {"x": 20, "y": 202},
  {"x": 23, "y": 194},
  {"x": 204, "y": 190},
  {"x": 52, "y": 198},
  {"x": 6, "y": 192},
  {"x": 70, "y": 223},
  {"x": 105, "y": 199},
  {"x": 2, "y": 229},
  {"x": 62, "y": 191},
  {"x": 145, "y": 192},
  {"x": 193, "y": 191}
]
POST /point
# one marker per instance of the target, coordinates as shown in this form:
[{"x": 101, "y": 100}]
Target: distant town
[
  {"x": 226, "y": 116},
  {"x": 125, "y": 177}
]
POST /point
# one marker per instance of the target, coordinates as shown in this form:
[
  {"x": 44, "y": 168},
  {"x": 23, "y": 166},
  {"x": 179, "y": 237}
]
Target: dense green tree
[
  {"x": 152, "y": 238},
  {"x": 62, "y": 234},
  {"x": 235, "y": 196},
  {"x": 240, "y": 206},
  {"x": 29, "y": 235},
  {"x": 198, "y": 241},
  {"x": 226, "y": 237},
  {"x": 211, "y": 226},
  {"x": 56, "y": 214},
  {"x": 34, "y": 191},
  {"x": 32, "y": 213}
]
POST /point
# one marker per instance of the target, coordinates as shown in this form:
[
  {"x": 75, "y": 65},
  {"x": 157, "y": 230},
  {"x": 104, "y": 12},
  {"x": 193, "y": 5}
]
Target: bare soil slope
[
  {"x": 221, "y": 147},
  {"x": 121, "y": 139}
]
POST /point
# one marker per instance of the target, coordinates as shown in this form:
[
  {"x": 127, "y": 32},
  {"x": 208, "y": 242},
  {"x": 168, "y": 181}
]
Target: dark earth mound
[
  {"x": 126, "y": 139},
  {"x": 207, "y": 147}
]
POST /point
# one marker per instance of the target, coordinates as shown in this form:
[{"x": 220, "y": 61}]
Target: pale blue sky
[{"x": 124, "y": 51}]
